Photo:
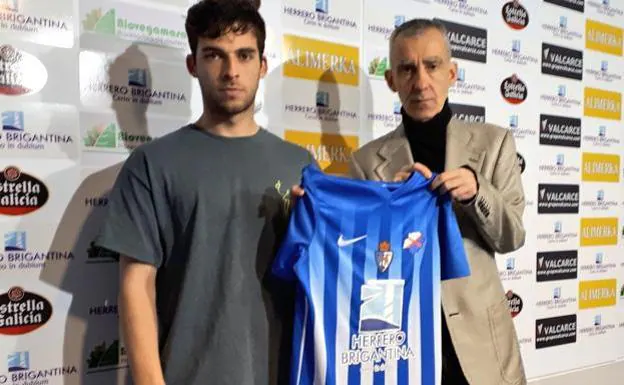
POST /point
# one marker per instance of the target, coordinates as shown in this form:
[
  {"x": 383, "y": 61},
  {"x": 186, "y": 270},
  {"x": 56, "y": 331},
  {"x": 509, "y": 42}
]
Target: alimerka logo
[
  {"x": 331, "y": 151},
  {"x": 603, "y": 104},
  {"x": 603, "y": 37},
  {"x": 599, "y": 231},
  {"x": 597, "y": 293},
  {"x": 313, "y": 59},
  {"x": 601, "y": 167}
]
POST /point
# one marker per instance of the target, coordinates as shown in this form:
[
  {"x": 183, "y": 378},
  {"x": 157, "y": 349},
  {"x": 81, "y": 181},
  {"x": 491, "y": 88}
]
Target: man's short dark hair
[
  {"x": 216, "y": 18},
  {"x": 415, "y": 27}
]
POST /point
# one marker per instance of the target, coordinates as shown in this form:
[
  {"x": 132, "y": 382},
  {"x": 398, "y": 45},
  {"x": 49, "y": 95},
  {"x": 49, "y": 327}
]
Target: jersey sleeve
[
  {"x": 295, "y": 243},
  {"x": 131, "y": 226},
  {"x": 454, "y": 261}
]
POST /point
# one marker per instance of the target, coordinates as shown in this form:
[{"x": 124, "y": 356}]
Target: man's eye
[{"x": 246, "y": 56}]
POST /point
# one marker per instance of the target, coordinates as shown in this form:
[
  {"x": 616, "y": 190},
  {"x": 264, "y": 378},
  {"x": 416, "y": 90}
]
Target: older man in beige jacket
[{"x": 477, "y": 165}]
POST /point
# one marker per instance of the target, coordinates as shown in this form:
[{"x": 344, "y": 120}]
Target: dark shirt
[{"x": 427, "y": 140}]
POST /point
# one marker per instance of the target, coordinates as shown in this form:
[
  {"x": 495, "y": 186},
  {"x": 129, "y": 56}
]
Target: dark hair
[
  {"x": 415, "y": 27},
  {"x": 215, "y": 18}
]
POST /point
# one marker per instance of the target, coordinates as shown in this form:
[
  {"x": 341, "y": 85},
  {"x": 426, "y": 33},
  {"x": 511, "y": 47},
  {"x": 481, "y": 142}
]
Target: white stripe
[
  {"x": 437, "y": 319},
  {"x": 367, "y": 373},
  {"x": 317, "y": 286},
  {"x": 396, "y": 267},
  {"x": 343, "y": 307},
  {"x": 414, "y": 330},
  {"x": 303, "y": 338}
]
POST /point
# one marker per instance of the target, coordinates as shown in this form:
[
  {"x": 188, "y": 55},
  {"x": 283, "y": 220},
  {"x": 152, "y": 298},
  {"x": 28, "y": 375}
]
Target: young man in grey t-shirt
[{"x": 196, "y": 216}]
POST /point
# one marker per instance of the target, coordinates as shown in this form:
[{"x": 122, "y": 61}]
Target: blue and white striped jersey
[{"x": 368, "y": 258}]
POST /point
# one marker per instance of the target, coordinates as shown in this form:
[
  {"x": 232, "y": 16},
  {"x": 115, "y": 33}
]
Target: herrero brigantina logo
[{"x": 380, "y": 342}]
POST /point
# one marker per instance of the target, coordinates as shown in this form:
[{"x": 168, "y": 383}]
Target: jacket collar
[{"x": 395, "y": 152}]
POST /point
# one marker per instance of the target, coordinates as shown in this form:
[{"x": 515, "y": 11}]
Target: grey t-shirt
[{"x": 208, "y": 211}]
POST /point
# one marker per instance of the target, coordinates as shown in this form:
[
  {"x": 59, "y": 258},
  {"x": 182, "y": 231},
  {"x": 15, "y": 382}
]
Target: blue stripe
[
  {"x": 298, "y": 342},
  {"x": 332, "y": 266},
  {"x": 307, "y": 370},
  {"x": 358, "y": 259},
  {"x": 426, "y": 305}
]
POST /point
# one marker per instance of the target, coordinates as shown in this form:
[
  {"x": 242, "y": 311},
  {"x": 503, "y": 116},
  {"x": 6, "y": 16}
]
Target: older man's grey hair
[{"x": 415, "y": 27}]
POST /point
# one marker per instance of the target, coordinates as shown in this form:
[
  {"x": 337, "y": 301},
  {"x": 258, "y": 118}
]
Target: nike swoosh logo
[{"x": 346, "y": 242}]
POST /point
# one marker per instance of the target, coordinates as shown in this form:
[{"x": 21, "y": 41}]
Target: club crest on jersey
[
  {"x": 384, "y": 256},
  {"x": 414, "y": 242}
]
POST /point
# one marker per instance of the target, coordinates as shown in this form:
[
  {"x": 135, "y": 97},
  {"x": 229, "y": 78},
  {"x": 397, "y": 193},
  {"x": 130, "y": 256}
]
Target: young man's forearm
[{"x": 139, "y": 325}]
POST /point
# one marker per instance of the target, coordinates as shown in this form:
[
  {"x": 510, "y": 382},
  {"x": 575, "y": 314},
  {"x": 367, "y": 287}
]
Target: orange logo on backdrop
[{"x": 331, "y": 151}]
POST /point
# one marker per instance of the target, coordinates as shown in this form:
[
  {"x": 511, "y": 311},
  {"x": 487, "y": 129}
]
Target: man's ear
[
  {"x": 191, "y": 65},
  {"x": 264, "y": 66},
  {"x": 453, "y": 73},
  {"x": 390, "y": 80}
]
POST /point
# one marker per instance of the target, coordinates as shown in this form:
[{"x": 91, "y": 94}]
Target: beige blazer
[{"x": 475, "y": 307}]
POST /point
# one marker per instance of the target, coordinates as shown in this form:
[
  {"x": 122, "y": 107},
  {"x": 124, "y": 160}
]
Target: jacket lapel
[
  {"x": 460, "y": 148},
  {"x": 395, "y": 153}
]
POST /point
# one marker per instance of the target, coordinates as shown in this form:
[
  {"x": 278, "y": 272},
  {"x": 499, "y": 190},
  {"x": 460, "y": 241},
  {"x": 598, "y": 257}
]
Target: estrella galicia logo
[
  {"x": 21, "y": 193},
  {"x": 575, "y": 5},
  {"x": 514, "y": 90},
  {"x": 555, "y": 331},
  {"x": 22, "y": 312},
  {"x": 515, "y": 303},
  {"x": 468, "y": 113},
  {"x": 558, "y": 198},
  {"x": 515, "y": 15},
  {"x": 521, "y": 162},
  {"x": 560, "y": 131},
  {"x": 556, "y": 265},
  {"x": 467, "y": 42},
  {"x": 562, "y": 61}
]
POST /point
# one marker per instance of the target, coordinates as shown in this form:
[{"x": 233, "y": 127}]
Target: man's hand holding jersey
[{"x": 460, "y": 183}]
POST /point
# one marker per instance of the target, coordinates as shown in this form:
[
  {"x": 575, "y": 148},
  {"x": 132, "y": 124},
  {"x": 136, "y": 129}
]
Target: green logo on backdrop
[
  {"x": 109, "y": 24},
  {"x": 95, "y": 21},
  {"x": 111, "y": 136},
  {"x": 378, "y": 66},
  {"x": 102, "y": 136}
]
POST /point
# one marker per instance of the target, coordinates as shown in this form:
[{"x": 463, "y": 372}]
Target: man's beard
[{"x": 218, "y": 107}]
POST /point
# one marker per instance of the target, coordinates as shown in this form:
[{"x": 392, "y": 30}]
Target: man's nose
[
  {"x": 421, "y": 79},
  {"x": 231, "y": 68}
]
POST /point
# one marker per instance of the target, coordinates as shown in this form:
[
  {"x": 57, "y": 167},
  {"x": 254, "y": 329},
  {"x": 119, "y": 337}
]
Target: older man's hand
[
  {"x": 461, "y": 183},
  {"x": 408, "y": 170}
]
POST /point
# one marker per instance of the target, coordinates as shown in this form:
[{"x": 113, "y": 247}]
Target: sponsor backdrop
[{"x": 84, "y": 82}]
